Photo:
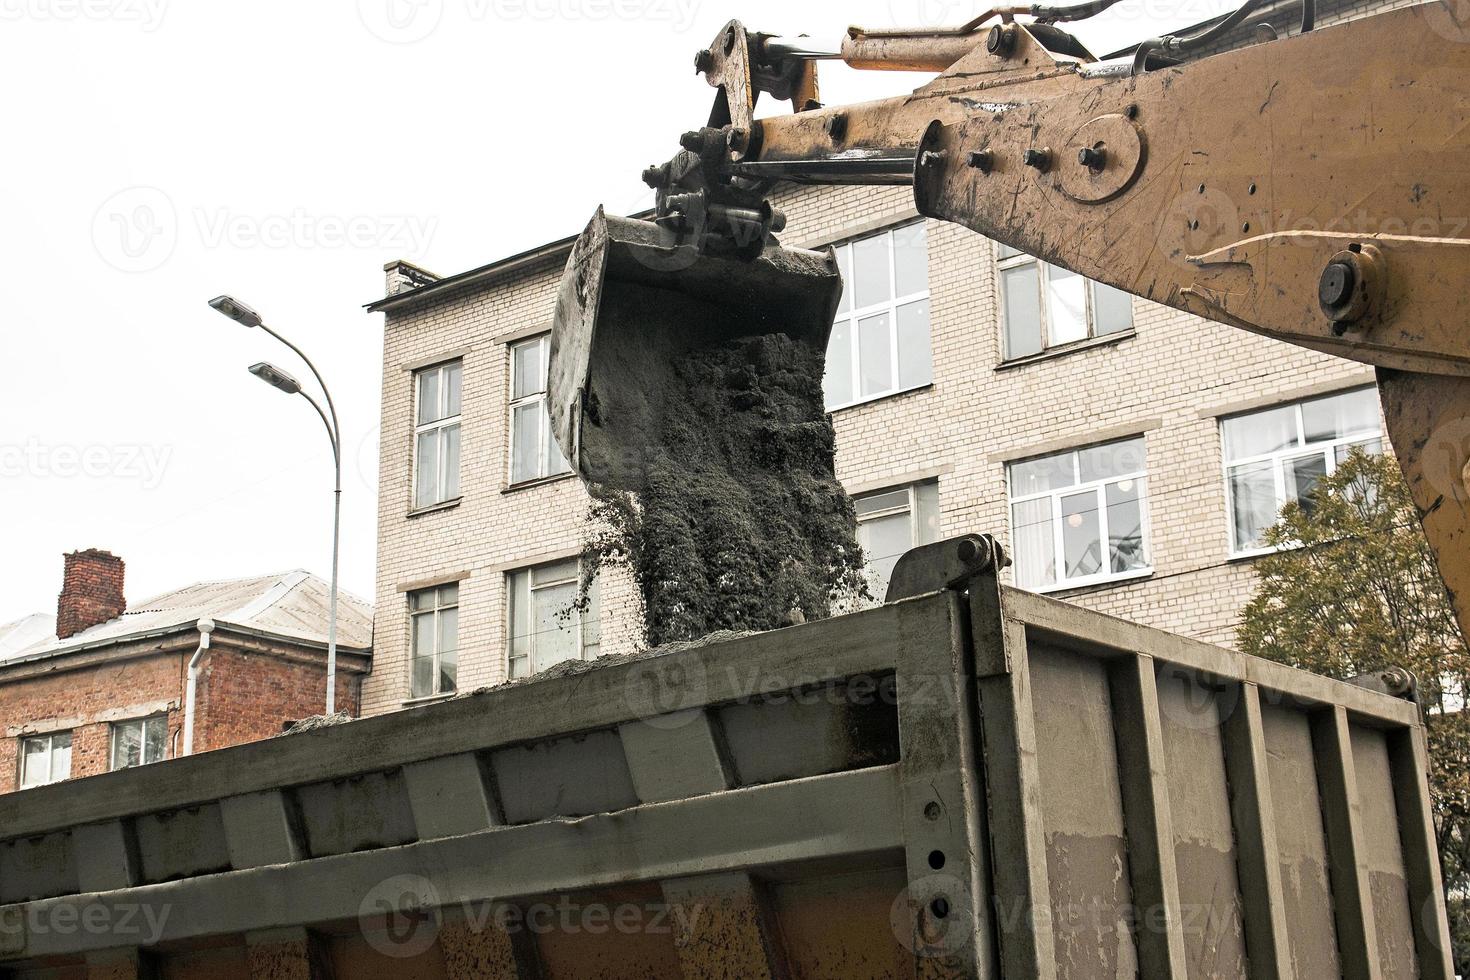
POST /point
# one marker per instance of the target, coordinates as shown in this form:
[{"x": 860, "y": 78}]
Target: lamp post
[{"x": 282, "y": 381}]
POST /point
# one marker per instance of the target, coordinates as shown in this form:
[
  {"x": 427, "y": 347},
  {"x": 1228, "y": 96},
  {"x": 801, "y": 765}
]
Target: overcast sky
[{"x": 160, "y": 152}]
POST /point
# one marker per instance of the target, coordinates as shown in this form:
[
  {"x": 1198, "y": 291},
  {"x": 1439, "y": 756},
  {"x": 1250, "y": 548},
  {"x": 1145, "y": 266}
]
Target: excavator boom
[{"x": 1314, "y": 189}]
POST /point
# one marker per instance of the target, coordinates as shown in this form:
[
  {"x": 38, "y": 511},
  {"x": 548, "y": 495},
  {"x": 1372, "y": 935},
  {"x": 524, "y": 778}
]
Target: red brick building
[{"x": 105, "y": 685}]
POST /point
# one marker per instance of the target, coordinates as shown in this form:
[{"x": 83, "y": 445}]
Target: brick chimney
[{"x": 91, "y": 591}]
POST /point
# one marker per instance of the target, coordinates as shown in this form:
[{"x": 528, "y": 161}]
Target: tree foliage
[{"x": 1354, "y": 588}]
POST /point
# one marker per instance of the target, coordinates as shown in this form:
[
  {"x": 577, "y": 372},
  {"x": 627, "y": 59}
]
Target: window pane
[
  {"x": 562, "y": 571},
  {"x": 910, "y": 259},
  {"x": 1081, "y": 541},
  {"x": 592, "y": 622},
  {"x": 1340, "y": 416},
  {"x": 528, "y": 375},
  {"x": 426, "y": 486},
  {"x": 1370, "y": 446},
  {"x": 1302, "y": 474},
  {"x": 1125, "y": 525},
  {"x": 127, "y": 745},
  {"x": 1066, "y": 306},
  {"x": 518, "y": 593},
  {"x": 1113, "y": 459},
  {"x": 421, "y": 685},
  {"x": 1031, "y": 527},
  {"x": 421, "y": 600},
  {"x": 422, "y": 636},
  {"x": 915, "y": 359},
  {"x": 837, "y": 383},
  {"x": 525, "y": 438},
  {"x": 1004, "y": 251},
  {"x": 35, "y": 758},
  {"x": 428, "y": 395},
  {"x": 875, "y": 355},
  {"x": 555, "y": 632},
  {"x": 1022, "y": 311},
  {"x": 1112, "y": 310},
  {"x": 844, "y": 266},
  {"x": 448, "y": 650},
  {"x": 1046, "y": 473},
  {"x": 1260, "y": 432},
  {"x": 155, "y": 739},
  {"x": 452, "y": 374},
  {"x": 876, "y": 502},
  {"x": 61, "y": 756},
  {"x": 1253, "y": 503},
  {"x": 556, "y": 461},
  {"x": 926, "y": 496},
  {"x": 870, "y": 271},
  {"x": 448, "y": 594},
  {"x": 884, "y": 540},
  {"x": 450, "y": 460}
]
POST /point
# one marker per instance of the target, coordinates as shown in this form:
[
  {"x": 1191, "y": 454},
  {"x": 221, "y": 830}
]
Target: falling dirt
[{"x": 736, "y": 520}]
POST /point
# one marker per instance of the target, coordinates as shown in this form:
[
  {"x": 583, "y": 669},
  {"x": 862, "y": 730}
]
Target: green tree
[{"x": 1354, "y": 589}]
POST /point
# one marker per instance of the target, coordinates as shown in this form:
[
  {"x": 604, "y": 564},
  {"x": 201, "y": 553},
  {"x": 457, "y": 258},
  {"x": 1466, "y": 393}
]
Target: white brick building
[{"x": 1157, "y": 383}]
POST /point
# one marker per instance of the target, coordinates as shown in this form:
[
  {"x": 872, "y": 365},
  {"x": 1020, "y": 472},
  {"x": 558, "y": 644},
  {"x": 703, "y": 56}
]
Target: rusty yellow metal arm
[{"x": 1314, "y": 189}]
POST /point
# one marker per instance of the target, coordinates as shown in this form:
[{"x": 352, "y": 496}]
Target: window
[
  {"x": 436, "y": 435},
  {"x": 45, "y": 759},
  {"x": 534, "y": 454},
  {"x": 880, "y": 339},
  {"x": 1046, "y": 306},
  {"x": 892, "y": 522},
  {"x": 1079, "y": 517},
  {"x": 545, "y": 625},
  {"x": 433, "y": 616},
  {"x": 137, "y": 743},
  {"x": 1279, "y": 454}
]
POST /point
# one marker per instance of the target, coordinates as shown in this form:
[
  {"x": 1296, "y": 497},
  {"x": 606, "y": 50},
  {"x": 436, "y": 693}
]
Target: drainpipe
[{"x": 205, "y": 627}]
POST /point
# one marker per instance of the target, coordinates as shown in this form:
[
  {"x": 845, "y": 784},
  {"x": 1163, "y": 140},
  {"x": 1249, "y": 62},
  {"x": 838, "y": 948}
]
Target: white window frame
[
  {"x": 439, "y": 426},
  {"x": 1302, "y": 449},
  {"x": 910, "y": 506},
  {"x": 51, "y": 777},
  {"x": 142, "y": 724},
  {"x": 543, "y": 433},
  {"x": 434, "y": 611},
  {"x": 1004, "y": 263},
  {"x": 578, "y": 620},
  {"x": 1099, "y": 489},
  {"x": 890, "y": 306}
]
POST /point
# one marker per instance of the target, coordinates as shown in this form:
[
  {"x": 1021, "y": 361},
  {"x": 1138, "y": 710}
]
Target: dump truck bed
[{"x": 969, "y": 783}]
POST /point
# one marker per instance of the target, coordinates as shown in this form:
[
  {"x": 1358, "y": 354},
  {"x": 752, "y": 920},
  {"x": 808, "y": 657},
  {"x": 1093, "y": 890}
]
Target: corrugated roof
[{"x": 292, "y": 605}]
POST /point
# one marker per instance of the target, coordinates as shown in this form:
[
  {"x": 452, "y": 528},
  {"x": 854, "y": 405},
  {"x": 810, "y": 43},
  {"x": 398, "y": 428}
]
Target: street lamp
[{"x": 280, "y": 380}]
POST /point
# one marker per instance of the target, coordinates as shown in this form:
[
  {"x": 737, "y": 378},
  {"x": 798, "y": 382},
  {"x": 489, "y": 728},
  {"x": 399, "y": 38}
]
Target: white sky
[{"x": 160, "y": 152}]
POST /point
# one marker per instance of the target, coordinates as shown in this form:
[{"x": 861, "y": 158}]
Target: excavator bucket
[{"x": 632, "y": 301}]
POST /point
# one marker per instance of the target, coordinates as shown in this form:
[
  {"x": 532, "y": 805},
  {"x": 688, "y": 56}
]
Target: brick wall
[
  {"x": 242, "y": 695},
  {"x": 86, "y": 702},
  {"x": 1169, "y": 380}
]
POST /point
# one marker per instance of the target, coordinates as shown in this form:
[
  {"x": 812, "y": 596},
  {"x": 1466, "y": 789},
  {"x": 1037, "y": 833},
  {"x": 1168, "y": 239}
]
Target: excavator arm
[{"x": 1314, "y": 189}]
